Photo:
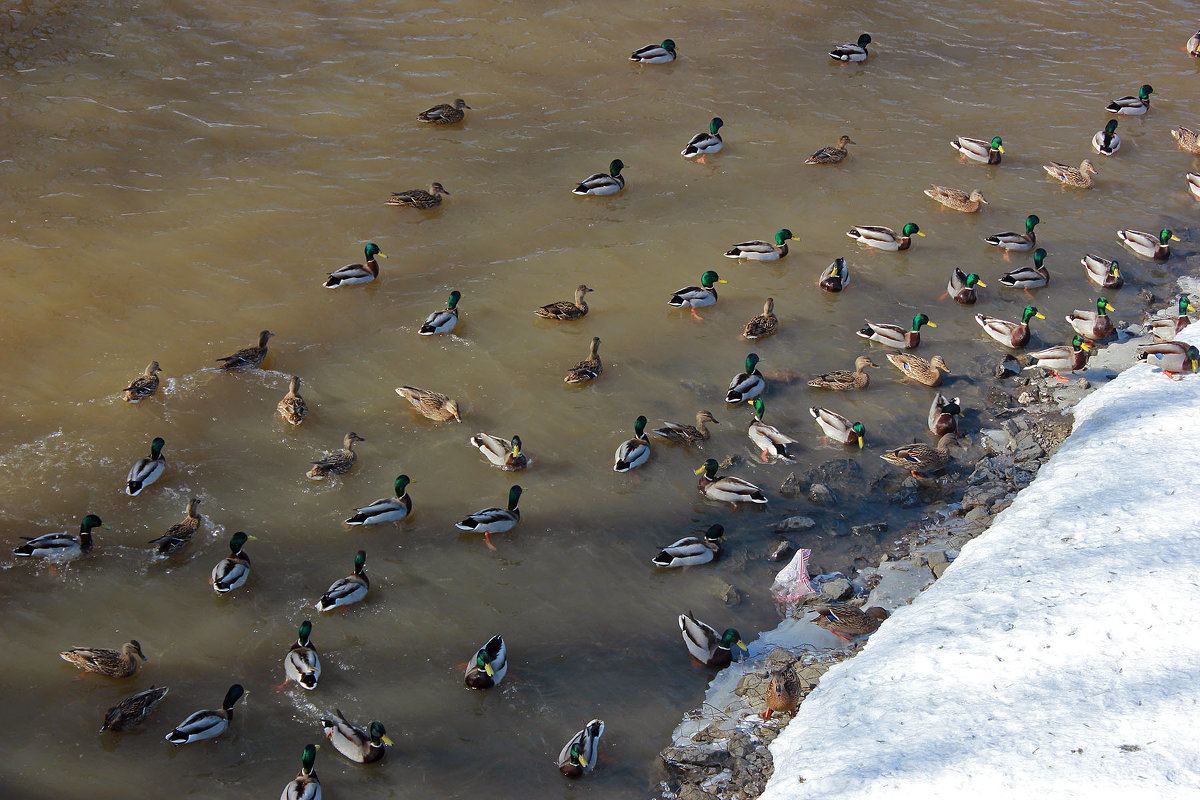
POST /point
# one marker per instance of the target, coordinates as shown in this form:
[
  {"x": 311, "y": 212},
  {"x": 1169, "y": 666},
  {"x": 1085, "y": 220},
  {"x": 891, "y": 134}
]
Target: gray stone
[
  {"x": 1008, "y": 366},
  {"x": 976, "y": 513},
  {"x": 906, "y": 497},
  {"x": 731, "y": 596},
  {"x": 869, "y": 527},
  {"x": 937, "y": 563},
  {"x": 795, "y": 524},
  {"x": 983, "y": 496},
  {"x": 690, "y": 757},
  {"x": 1084, "y": 383},
  {"x": 822, "y": 495},
  {"x": 837, "y": 589},
  {"x": 1147, "y": 297},
  {"x": 1028, "y": 449},
  {"x": 790, "y": 486},
  {"x": 780, "y": 550},
  {"x": 1022, "y": 477},
  {"x": 731, "y": 460}
]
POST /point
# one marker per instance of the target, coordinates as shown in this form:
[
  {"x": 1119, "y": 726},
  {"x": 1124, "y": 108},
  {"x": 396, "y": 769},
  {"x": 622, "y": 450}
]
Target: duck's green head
[
  {"x": 668, "y": 45},
  {"x": 308, "y": 759},
  {"x": 402, "y": 482},
  {"x": 1102, "y": 306},
  {"x": 715, "y": 125},
  {"x": 731, "y": 638},
  {"x": 973, "y": 281},
  {"x": 639, "y": 425},
  {"x": 1111, "y": 127},
  {"x": 452, "y": 301},
  {"x": 232, "y": 696},
  {"x": 360, "y": 561},
  {"x": 783, "y": 234},
  {"x": 615, "y": 167},
  {"x": 484, "y": 662},
  {"x": 1078, "y": 343},
  {"x": 921, "y": 319},
  {"x": 757, "y": 405},
  {"x": 860, "y": 432},
  {"x": 751, "y": 362},
  {"x": 514, "y": 497},
  {"x": 864, "y": 40},
  {"x": 910, "y": 229},
  {"x": 1165, "y": 236},
  {"x": 156, "y": 446},
  {"x": 372, "y": 250},
  {"x": 708, "y": 468},
  {"x": 715, "y": 533},
  {"x": 305, "y": 632},
  {"x": 516, "y": 445},
  {"x": 576, "y": 755},
  {"x": 1114, "y": 269},
  {"x": 952, "y": 408},
  {"x": 1030, "y": 311},
  {"x": 1039, "y": 256},
  {"x": 709, "y": 278},
  {"x": 238, "y": 541},
  {"x": 378, "y": 734},
  {"x": 997, "y": 144},
  {"x": 1193, "y": 355},
  {"x": 89, "y": 522},
  {"x": 1030, "y": 222},
  {"x": 1145, "y": 91},
  {"x": 1185, "y": 304}
]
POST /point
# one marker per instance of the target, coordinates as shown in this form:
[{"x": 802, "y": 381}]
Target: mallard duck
[
  {"x": 922, "y": 371},
  {"x": 600, "y": 184},
  {"x": 233, "y": 571},
  {"x": 588, "y": 369},
  {"x": 501, "y": 452},
  {"x": 1028, "y": 278},
  {"x": 943, "y": 415},
  {"x": 692, "y": 550},
  {"x": 746, "y": 385},
  {"x": 961, "y": 287},
  {"x": 758, "y": 250},
  {"x": 706, "y": 646},
  {"x": 770, "y": 441},
  {"x": 978, "y": 149},
  {"x": 703, "y": 144},
  {"x": 843, "y": 380},
  {"x": 884, "y": 238},
  {"x": 494, "y": 520},
  {"x": 693, "y": 297},
  {"x": 146, "y": 471},
  {"x": 687, "y": 434},
  {"x": 354, "y": 274},
  {"x": 837, "y": 427},
  {"x": 764, "y": 324},
  {"x": 1165, "y": 328},
  {"x": 209, "y": 723},
  {"x": 306, "y": 785},
  {"x": 1170, "y": 357},
  {"x": 338, "y": 462},
  {"x": 579, "y": 753},
  {"x": 831, "y": 155},
  {"x": 431, "y": 405},
  {"x": 1130, "y": 105},
  {"x": 60, "y": 547},
  {"x": 301, "y": 664},
  {"x": 894, "y": 335},
  {"x": 1009, "y": 334},
  {"x": 247, "y": 357},
  {"x": 419, "y": 198},
  {"x": 348, "y": 590},
  {"x": 633, "y": 452},
  {"x": 782, "y": 696},
  {"x": 1193, "y": 183},
  {"x": 919, "y": 458},
  {"x": 727, "y": 489},
  {"x": 1062, "y": 357},
  {"x": 444, "y": 113},
  {"x": 112, "y": 663},
  {"x": 442, "y": 321},
  {"x": 178, "y": 535},
  {"x": 1147, "y": 244},
  {"x": 835, "y": 277},
  {"x": 1093, "y": 324},
  {"x": 1080, "y": 178},
  {"x": 292, "y": 408},
  {"x": 655, "y": 53},
  {"x": 1187, "y": 139},
  {"x": 956, "y": 199},
  {"x": 1017, "y": 242},
  {"x": 565, "y": 309},
  {"x": 1106, "y": 142},
  {"x": 133, "y": 709},
  {"x": 1102, "y": 272},
  {"x": 848, "y": 621},
  {"x": 1192, "y": 47},
  {"x": 362, "y": 747},
  {"x": 144, "y": 385},
  {"x": 387, "y": 509},
  {"x": 852, "y": 52},
  {"x": 489, "y": 666}
]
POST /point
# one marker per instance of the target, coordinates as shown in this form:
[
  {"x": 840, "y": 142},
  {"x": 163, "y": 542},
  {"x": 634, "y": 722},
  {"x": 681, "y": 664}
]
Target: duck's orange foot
[{"x": 697, "y": 316}]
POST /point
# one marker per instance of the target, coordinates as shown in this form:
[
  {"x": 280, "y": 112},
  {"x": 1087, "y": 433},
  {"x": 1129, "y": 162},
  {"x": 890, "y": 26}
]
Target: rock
[
  {"x": 1009, "y": 366},
  {"x": 688, "y": 757},
  {"x": 899, "y": 582},
  {"x": 838, "y": 472},
  {"x": 937, "y": 563},
  {"x": 837, "y": 589},
  {"x": 1084, "y": 383},
  {"x": 869, "y": 527},
  {"x": 983, "y": 496},
  {"x": 690, "y": 791},
  {"x": 795, "y": 524},
  {"x": 1028, "y": 449},
  {"x": 731, "y": 460},
  {"x": 790, "y": 486},
  {"x": 1025, "y": 398},
  {"x": 1147, "y": 297},
  {"x": 731, "y": 596},
  {"x": 1022, "y": 477},
  {"x": 781, "y": 550},
  {"x": 822, "y": 495},
  {"x": 906, "y": 497},
  {"x": 976, "y": 513},
  {"x": 780, "y": 659}
]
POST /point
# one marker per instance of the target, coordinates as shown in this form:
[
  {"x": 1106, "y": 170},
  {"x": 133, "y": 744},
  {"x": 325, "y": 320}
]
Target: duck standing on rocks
[
  {"x": 848, "y": 621},
  {"x": 1165, "y": 328},
  {"x": 633, "y": 452},
  {"x": 292, "y": 408},
  {"x": 922, "y": 371},
  {"x": 782, "y": 695},
  {"x": 361, "y": 747},
  {"x": 144, "y": 385},
  {"x": 388, "y": 509},
  {"x": 178, "y": 535},
  {"x": 589, "y": 368},
  {"x": 956, "y": 199},
  {"x": 704, "y": 144},
  {"x": 247, "y": 357},
  {"x": 566, "y": 310},
  {"x": 302, "y": 664},
  {"x": 60, "y": 547},
  {"x": 600, "y": 184},
  {"x": 133, "y": 709},
  {"x": 429, "y": 404},
  {"x": 233, "y": 571},
  {"x": 579, "y": 753},
  {"x": 896, "y": 336},
  {"x": 348, "y": 590},
  {"x": 1171, "y": 357},
  {"x": 844, "y": 380},
  {"x": 355, "y": 274},
  {"x": 339, "y": 462},
  {"x": 442, "y": 321},
  {"x": 444, "y": 113},
  {"x": 693, "y": 297},
  {"x": 111, "y": 663},
  {"x": 978, "y": 149},
  {"x": 706, "y": 645},
  {"x": 1009, "y": 334},
  {"x": 833, "y": 154},
  {"x": 1093, "y": 324},
  {"x": 764, "y": 324},
  {"x": 489, "y": 666},
  {"x": 146, "y": 471},
  {"x": 727, "y": 489},
  {"x": 419, "y": 198},
  {"x": 687, "y": 434},
  {"x": 855, "y": 53},
  {"x": 746, "y": 385},
  {"x": 920, "y": 459},
  {"x": 207, "y": 724},
  {"x": 692, "y": 550},
  {"x": 306, "y": 785},
  {"x": 502, "y": 453},
  {"x": 1062, "y": 357}
]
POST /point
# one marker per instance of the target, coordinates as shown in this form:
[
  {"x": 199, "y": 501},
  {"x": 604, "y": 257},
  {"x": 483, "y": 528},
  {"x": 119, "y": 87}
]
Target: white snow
[{"x": 1059, "y": 655}]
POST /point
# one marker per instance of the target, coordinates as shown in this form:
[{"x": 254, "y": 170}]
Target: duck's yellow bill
[
  {"x": 920, "y": 234},
  {"x": 1108, "y": 307},
  {"x": 386, "y": 740},
  {"x": 582, "y": 761},
  {"x": 1174, "y": 238},
  {"x": 931, "y": 324},
  {"x": 1037, "y": 314},
  {"x": 722, "y": 280},
  {"x": 981, "y": 283},
  {"x": 381, "y": 255},
  {"x": 1000, "y": 148},
  {"x": 700, "y": 471},
  {"x": 860, "y": 442}
]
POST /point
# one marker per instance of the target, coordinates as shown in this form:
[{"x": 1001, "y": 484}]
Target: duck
[
  {"x": 843, "y": 380},
  {"x": 943, "y": 415},
  {"x": 1130, "y": 105},
  {"x": 692, "y": 550},
  {"x": 852, "y": 52},
  {"x": 599, "y": 184},
  {"x": 758, "y": 250},
  {"x": 764, "y": 324},
  {"x": 727, "y": 489},
  {"x": 302, "y": 664},
  {"x": 919, "y": 458},
  {"x": 835, "y": 277},
  {"x": 1193, "y": 183},
  {"x": 633, "y": 452},
  {"x": 832, "y": 154},
  {"x": 978, "y": 149},
  {"x": 770, "y": 441},
  {"x": 704, "y": 144},
  {"x": 442, "y": 321},
  {"x": 146, "y": 471},
  {"x": 444, "y": 113},
  {"x": 579, "y": 753},
  {"x": 1102, "y": 272},
  {"x": 1106, "y": 142},
  {"x": 1093, "y": 324},
  {"x": 655, "y": 53},
  {"x": 144, "y": 385},
  {"x": 338, "y": 462},
  {"x": 746, "y": 385},
  {"x": 1062, "y": 357},
  {"x": 962, "y": 287},
  {"x": 207, "y": 724},
  {"x": 502, "y": 453},
  {"x": 111, "y": 663},
  {"x": 922, "y": 371},
  {"x": 60, "y": 547},
  {"x": 489, "y": 666},
  {"x": 706, "y": 645},
  {"x": 1147, "y": 244},
  {"x": 361, "y": 747},
  {"x": 848, "y": 621},
  {"x": 1165, "y": 328},
  {"x": 1018, "y": 242},
  {"x": 247, "y": 357},
  {"x": 178, "y": 535},
  {"x": 565, "y": 310},
  {"x": 133, "y": 709},
  {"x": 348, "y": 590},
  {"x": 306, "y": 785},
  {"x": 387, "y": 509},
  {"x": 292, "y": 408},
  {"x": 687, "y": 434},
  {"x": 494, "y": 520},
  {"x": 356, "y": 274},
  {"x": 1009, "y": 334},
  {"x": 233, "y": 571},
  {"x": 693, "y": 297},
  {"x": 429, "y": 404},
  {"x": 419, "y": 198},
  {"x": 1080, "y": 178},
  {"x": 1170, "y": 357},
  {"x": 589, "y": 368},
  {"x": 1192, "y": 47},
  {"x": 896, "y": 336},
  {"x": 884, "y": 238},
  {"x": 957, "y": 199},
  {"x": 782, "y": 696},
  {"x": 837, "y": 427},
  {"x": 1028, "y": 278},
  {"x": 1187, "y": 140}
]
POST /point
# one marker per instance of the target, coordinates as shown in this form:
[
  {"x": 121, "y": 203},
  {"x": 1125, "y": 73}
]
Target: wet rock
[
  {"x": 822, "y": 495},
  {"x": 983, "y": 496},
  {"x": 869, "y": 527},
  {"x": 998, "y": 397},
  {"x": 692, "y": 792},
  {"x": 687, "y": 758},
  {"x": 1009, "y": 366},
  {"x": 837, "y": 589},
  {"x": 838, "y": 472},
  {"x": 976, "y": 513},
  {"x": 731, "y": 460},
  {"x": 795, "y": 524},
  {"x": 781, "y": 550},
  {"x": 1147, "y": 297},
  {"x": 730, "y": 596},
  {"x": 906, "y": 497},
  {"x": 790, "y": 486}
]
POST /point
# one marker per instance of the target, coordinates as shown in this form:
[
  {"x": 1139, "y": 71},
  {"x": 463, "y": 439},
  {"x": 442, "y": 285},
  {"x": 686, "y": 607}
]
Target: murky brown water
[{"x": 176, "y": 181}]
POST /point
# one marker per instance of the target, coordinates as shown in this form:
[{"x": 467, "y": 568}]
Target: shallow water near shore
[{"x": 179, "y": 180}]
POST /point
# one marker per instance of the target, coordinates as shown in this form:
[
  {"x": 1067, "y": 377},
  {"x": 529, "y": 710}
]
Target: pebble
[
  {"x": 822, "y": 495},
  {"x": 795, "y": 524},
  {"x": 780, "y": 550},
  {"x": 869, "y": 527},
  {"x": 837, "y": 589},
  {"x": 790, "y": 486}
]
